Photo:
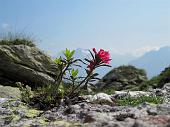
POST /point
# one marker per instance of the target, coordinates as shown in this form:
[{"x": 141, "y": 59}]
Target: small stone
[
  {"x": 167, "y": 87},
  {"x": 163, "y": 109},
  {"x": 88, "y": 119}
]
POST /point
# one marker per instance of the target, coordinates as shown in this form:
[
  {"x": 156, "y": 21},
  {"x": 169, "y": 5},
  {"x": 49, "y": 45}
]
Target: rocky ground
[{"x": 94, "y": 111}]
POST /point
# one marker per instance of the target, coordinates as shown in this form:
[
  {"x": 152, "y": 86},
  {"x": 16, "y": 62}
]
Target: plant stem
[
  {"x": 61, "y": 76},
  {"x": 80, "y": 83}
]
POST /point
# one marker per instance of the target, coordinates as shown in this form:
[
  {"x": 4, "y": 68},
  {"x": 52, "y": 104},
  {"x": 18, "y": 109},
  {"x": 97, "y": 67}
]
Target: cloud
[
  {"x": 135, "y": 52},
  {"x": 6, "y": 27},
  {"x": 118, "y": 52},
  {"x": 140, "y": 51}
]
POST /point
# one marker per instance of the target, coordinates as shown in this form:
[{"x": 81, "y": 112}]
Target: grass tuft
[
  {"x": 134, "y": 101},
  {"x": 16, "y": 39}
]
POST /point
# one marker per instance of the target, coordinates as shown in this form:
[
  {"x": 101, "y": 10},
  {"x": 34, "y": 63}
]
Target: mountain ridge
[{"x": 154, "y": 61}]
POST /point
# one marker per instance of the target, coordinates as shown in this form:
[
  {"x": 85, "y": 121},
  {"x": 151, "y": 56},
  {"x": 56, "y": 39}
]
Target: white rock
[
  {"x": 101, "y": 98},
  {"x": 132, "y": 93}
]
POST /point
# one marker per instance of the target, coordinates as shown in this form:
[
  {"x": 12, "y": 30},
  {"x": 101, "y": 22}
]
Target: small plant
[
  {"x": 98, "y": 59},
  {"x": 68, "y": 84},
  {"x": 26, "y": 93},
  {"x": 134, "y": 101}
]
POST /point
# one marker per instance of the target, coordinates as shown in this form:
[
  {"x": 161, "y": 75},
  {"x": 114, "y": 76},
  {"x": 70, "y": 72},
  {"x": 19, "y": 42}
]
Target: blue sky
[{"x": 120, "y": 26}]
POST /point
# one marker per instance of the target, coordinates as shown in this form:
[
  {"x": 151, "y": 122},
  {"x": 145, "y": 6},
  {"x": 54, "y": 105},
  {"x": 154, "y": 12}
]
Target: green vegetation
[
  {"x": 152, "y": 83},
  {"x": 16, "y": 39},
  {"x": 157, "y": 81},
  {"x": 26, "y": 92},
  {"x": 163, "y": 78},
  {"x": 134, "y": 101}
]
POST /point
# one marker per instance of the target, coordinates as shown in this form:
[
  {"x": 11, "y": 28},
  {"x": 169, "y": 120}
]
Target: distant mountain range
[{"x": 153, "y": 61}]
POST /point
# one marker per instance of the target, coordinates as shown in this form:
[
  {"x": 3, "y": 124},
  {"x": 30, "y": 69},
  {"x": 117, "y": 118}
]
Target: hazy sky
[{"x": 116, "y": 25}]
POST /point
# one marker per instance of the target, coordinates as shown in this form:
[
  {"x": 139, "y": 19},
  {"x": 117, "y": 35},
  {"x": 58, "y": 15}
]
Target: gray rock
[
  {"x": 115, "y": 85},
  {"x": 26, "y": 64},
  {"x": 158, "y": 92},
  {"x": 122, "y": 78},
  {"x": 163, "y": 109}
]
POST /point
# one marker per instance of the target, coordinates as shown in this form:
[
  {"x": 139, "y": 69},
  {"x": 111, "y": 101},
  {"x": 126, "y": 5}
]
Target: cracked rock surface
[{"x": 21, "y": 63}]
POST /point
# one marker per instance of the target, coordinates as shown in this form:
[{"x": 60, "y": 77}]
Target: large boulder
[
  {"x": 122, "y": 78},
  {"x": 22, "y": 63}
]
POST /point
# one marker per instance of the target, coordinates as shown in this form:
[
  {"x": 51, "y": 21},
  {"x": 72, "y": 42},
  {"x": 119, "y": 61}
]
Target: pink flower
[
  {"x": 100, "y": 58},
  {"x": 103, "y": 55}
]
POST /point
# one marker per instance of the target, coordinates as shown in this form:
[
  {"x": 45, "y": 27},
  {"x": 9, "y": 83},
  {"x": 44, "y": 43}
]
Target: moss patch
[
  {"x": 134, "y": 101},
  {"x": 66, "y": 123},
  {"x": 9, "y": 92},
  {"x": 32, "y": 113}
]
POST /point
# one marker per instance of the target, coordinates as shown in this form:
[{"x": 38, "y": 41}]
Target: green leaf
[
  {"x": 67, "y": 51},
  {"x": 58, "y": 61},
  {"x": 74, "y": 72},
  {"x": 72, "y": 53},
  {"x": 69, "y": 54}
]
